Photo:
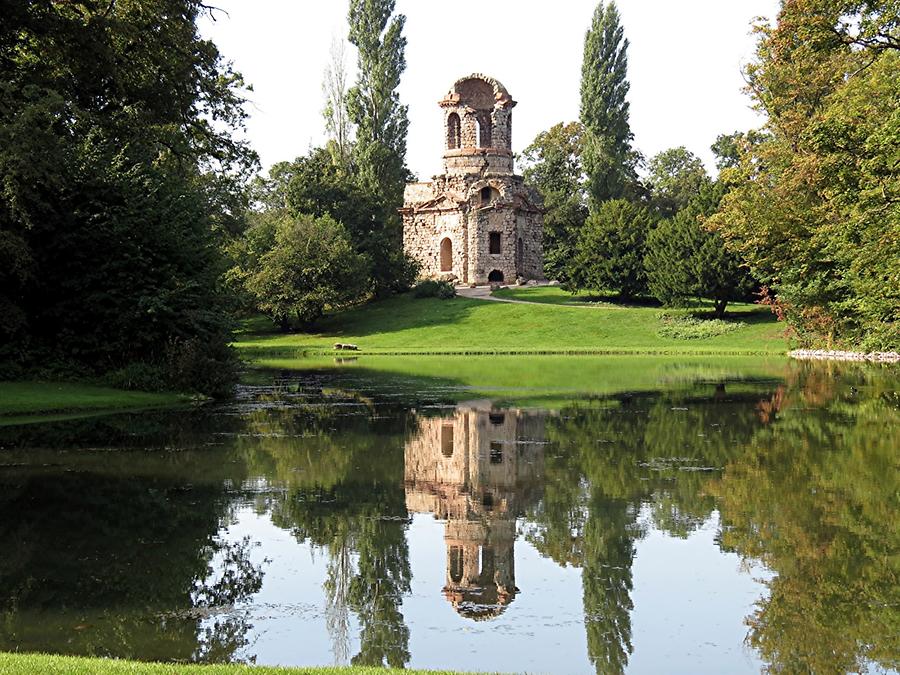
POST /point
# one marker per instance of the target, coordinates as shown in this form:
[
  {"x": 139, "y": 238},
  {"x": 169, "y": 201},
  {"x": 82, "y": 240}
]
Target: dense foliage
[
  {"x": 309, "y": 265},
  {"x": 316, "y": 186},
  {"x": 676, "y": 178},
  {"x": 117, "y": 187},
  {"x": 553, "y": 164},
  {"x": 815, "y": 205},
  {"x": 685, "y": 261},
  {"x": 434, "y": 288},
  {"x": 618, "y": 229},
  {"x": 374, "y": 104}
]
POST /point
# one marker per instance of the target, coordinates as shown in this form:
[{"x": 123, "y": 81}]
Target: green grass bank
[
  {"x": 405, "y": 325},
  {"x": 31, "y": 664},
  {"x": 20, "y": 401}
]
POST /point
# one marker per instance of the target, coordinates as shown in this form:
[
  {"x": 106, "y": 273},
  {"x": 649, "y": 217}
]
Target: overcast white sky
[{"x": 684, "y": 65}]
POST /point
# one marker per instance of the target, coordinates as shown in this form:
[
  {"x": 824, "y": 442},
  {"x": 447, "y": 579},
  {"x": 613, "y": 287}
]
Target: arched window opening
[
  {"x": 496, "y": 453},
  {"x": 494, "y": 243},
  {"x": 446, "y": 255},
  {"x": 456, "y": 564},
  {"x": 477, "y": 133},
  {"x": 496, "y": 276},
  {"x": 487, "y": 501},
  {"x": 485, "y": 130},
  {"x": 447, "y": 440},
  {"x": 454, "y": 131},
  {"x": 496, "y": 418}
]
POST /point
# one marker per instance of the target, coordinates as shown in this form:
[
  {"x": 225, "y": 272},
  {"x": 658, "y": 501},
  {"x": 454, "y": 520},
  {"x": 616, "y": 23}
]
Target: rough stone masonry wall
[
  {"x": 422, "y": 236},
  {"x": 502, "y": 220}
]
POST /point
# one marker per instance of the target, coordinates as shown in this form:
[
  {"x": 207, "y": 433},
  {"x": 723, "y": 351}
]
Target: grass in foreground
[
  {"x": 54, "y": 398},
  {"x": 27, "y": 664},
  {"x": 404, "y": 325}
]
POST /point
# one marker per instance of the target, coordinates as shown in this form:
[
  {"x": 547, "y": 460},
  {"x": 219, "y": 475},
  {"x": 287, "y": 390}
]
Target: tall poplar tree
[
  {"x": 608, "y": 158},
  {"x": 379, "y": 155},
  {"x": 374, "y": 104}
]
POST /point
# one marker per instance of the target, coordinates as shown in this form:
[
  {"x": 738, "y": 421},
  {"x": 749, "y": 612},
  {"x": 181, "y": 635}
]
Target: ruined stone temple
[
  {"x": 479, "y": 469},
  {"x": 477, "y": 222}
]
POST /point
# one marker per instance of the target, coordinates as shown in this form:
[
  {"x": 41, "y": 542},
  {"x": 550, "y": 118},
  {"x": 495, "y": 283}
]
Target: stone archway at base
[{"x": 495, "y": 276}]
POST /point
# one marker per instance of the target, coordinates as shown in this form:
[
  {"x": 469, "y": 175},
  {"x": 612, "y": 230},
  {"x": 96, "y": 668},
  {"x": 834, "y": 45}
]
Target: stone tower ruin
[{"x": 477, "y": 222}]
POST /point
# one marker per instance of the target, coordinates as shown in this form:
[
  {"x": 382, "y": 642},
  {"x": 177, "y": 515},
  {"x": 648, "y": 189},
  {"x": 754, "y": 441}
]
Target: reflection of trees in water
[
  {"x": 367, "y": 521},
  {"x": 232, "y": 580},
  {"x": 340, "y": 467},
  {"x": 610, "y": 457},
  {"x": 816, "y": 497},
  {"x": 117, "y": 564},
  {"x": 608, "y": 554},
  {"x": 805, "y": 477}
]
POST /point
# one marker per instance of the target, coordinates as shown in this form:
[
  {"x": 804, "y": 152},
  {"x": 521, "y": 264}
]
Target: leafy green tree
[
  {"x": 553, "y": 165},
  {"x": 814, "y": 207},
  {"x": 374, "y": 104},
  {"x": 318, "y": 186},
  {"x": 676, "y": 177},
  {"x": 609, "y": 160},
  {"x": 119, "y": 179},
  {"x": 611, "y": 247},
  {"x": 311, "y": 266},
  {"x": 728, "y": 148},
  {"x": 686, "y": 261}
]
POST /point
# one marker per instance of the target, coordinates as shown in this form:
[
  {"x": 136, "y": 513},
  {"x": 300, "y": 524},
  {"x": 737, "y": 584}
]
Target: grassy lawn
[
  {"x": 27, "y": 664},
  {"x": 404, "y": 325},
  {"x": 52, "y": 398}
]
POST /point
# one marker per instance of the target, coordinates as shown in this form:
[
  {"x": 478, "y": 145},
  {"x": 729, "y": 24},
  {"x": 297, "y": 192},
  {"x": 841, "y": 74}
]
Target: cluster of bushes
[{"x": 432, "y": 288}]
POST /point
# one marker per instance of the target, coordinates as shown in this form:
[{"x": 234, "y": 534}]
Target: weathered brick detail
[{"x": 477, "y": 194}]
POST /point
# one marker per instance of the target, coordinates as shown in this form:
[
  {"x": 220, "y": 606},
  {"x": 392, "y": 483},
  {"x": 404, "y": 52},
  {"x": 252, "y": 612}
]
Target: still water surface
[{"x": 706, "y": 519}]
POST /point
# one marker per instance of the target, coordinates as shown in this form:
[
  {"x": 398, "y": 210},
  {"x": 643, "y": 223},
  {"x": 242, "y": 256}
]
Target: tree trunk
[{"x": 720, "y": 308}]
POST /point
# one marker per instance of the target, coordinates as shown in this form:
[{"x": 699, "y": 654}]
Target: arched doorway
[
  {"x": 495, "y": 276},
  {"x": 446, "y": 255}
]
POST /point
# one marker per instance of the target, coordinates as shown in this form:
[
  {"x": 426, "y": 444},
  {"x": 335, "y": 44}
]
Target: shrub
[
  {"x": 139, "y": 376},
  {"x": 311, "y": 267},
  {"x": 188, "y": 366},
  {"x": 432, "y": 288},
  {"x": 685, "y": 327}
]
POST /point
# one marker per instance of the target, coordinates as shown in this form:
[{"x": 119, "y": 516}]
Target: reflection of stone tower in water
[{"x": 477, "y": 469}]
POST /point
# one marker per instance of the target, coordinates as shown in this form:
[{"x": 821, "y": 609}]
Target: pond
[{"x": 546, "y": 515}]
